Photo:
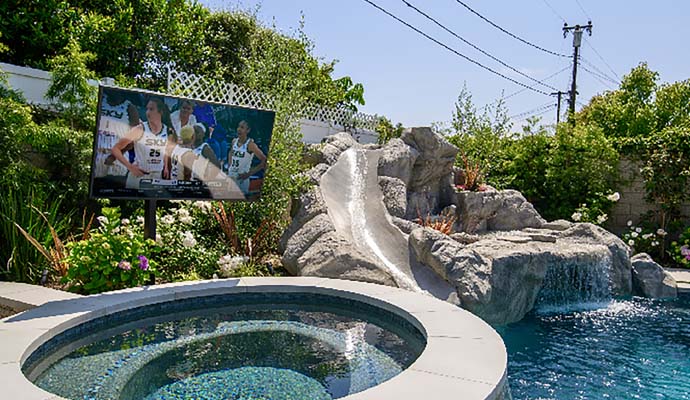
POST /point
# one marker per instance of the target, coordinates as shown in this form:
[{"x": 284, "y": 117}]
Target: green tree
[{"x": 70, "y": 90}]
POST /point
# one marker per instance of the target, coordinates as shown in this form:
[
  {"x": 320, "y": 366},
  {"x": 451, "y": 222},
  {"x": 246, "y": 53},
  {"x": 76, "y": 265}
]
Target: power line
[
  {"x": 601, "y": 73},
  {"x": 554, "y": 10},
  {"x": 583, "y": 9},
  {"x": 476, "y": 47},
  {"x": 543, "y": 107},
  {"x": 602, "y": 59},
  {"x": 567, "y": 67},
  {"x": 537, "y": 114},
  {"x": 455, "y": 51},
  {"x": 510, "y": 33},
  {"x": 597, "y": 77}
]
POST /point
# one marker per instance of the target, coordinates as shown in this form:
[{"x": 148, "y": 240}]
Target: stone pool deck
[
  {"x": 682, "y": 277},
  {"x": 464, "y": 357}
]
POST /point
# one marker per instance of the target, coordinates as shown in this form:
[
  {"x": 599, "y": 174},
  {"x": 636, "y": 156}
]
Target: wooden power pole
[{"x": 577, "y": 42}]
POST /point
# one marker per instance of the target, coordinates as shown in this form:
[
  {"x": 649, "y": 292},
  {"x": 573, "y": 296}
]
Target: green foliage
[
  {"x": 645, "y": 239},
  {"x": 680, "y": 249},
  {"x": 596, "y": 211},
  {"x": 386, "y": 131},
  {"x": 484, "y": 138},
  {"x": 70, "y": 90},
  {"x": 21, "y": 261},
  {"x": 581, "y": 167},
  {"x": 115, "y": 257}
]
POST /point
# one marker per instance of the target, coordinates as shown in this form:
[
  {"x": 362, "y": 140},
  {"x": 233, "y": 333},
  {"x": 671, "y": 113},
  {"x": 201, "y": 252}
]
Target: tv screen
[{"x": 155, "y": 146}]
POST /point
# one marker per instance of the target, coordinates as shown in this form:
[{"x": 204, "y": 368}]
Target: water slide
[{"x": 355, "y": 204}]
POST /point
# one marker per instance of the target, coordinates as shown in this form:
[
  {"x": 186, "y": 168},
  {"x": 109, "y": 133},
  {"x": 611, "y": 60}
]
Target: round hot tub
[{"x": 286, "y": 338}]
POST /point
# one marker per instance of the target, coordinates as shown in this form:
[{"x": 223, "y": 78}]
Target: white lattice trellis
[{"x": 203, "y": 88}]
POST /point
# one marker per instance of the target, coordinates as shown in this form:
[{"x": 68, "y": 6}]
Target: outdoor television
[{"x": 155, "y": 146}]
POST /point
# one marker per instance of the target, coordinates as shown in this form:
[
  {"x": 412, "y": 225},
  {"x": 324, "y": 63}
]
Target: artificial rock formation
[
  {"x": 495, "y": 264},
  {"x": 650, "y": 279}
]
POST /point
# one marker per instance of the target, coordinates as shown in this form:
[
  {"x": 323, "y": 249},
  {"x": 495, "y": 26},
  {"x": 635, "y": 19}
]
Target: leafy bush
[
  {"x": 645, "y": 239},
  {"x": 680, "y": 249},
  {"x": 115, "y": 257}
]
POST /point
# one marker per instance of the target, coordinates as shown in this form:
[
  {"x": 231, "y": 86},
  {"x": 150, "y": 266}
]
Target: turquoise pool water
[
  {"x": 268, "y": 346},
  {"x": 635, "y": 349}
]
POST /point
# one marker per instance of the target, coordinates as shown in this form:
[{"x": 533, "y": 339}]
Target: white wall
[{"x": 34, "y": 83}]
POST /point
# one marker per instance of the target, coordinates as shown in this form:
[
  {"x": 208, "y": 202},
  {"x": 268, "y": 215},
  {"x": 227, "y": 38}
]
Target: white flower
[
  {"x": 576, "y": 216},
  {"x": 159, "y": 239},
  {"x": 168, "y": 219},
  {"x": 187, "y": 220},
  {"x": 629, "y": 223},
  {"x": 634, "y": 234},
  {"x": 103, "y": 220},
  {"x": 638, "y": 230},
  {"x": 106, "y": 246},
  {"x": 228, "y": 264},
  {"x": 614, "y": 197},
  {"x": 645, "y": 236},
  {"x": 204, "y": 206},
  {"x": 631, "y": 242},
  {"x": 140, "y": 220},
  {"x": 182, "y": 213},
  {"x": 124, "y": 221},
  {"x": 602, "y": 218},
  {"x": 661, "y": 232},
  {"x": 188, "y": 239},
  {"x": 655, "y": 243},
  {"x": 116, "y": 229}
]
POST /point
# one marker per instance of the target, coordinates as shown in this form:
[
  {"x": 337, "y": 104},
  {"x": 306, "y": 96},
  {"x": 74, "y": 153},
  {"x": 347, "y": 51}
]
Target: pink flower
[
  {"x": 685, "y": 252},
  {"x": 124, "y": 265},
  {"x": 143, "y": 263}
]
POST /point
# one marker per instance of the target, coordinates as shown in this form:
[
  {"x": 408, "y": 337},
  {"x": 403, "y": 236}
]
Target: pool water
[
  {"x": 634, "y": 349},
  {"x": 274, "y": 350}
]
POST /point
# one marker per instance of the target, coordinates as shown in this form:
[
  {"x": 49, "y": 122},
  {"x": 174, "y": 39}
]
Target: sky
[{"x": 414, "y": 81}]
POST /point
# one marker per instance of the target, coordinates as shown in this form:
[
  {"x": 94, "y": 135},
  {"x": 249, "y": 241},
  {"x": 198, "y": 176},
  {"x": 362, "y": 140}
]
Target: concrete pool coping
[{"x": 464, "y": 357}]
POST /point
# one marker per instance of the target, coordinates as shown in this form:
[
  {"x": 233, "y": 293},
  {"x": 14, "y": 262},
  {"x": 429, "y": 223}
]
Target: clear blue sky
[{"x": 414, "y": 81}]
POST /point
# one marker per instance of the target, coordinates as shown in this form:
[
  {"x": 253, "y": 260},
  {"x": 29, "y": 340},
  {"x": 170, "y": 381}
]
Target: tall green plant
[
  {"x": 21, "y": 261},
  {"x": 70, "y": 90}
]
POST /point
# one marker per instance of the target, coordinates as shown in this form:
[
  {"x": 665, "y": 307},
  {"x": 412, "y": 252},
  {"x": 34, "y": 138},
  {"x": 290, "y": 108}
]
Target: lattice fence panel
[{"x": 203, "y": 88}]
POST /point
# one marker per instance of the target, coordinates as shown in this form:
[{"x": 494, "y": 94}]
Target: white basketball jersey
[
  {"x": 150, "y": 149},
  {"x": 241, "y": 160},
  {"x": 176, "y": 166}
]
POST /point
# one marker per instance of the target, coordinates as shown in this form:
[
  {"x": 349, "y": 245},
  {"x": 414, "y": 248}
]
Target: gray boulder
[
  {"x": 306, "y": 207},
  {"x": 492, "y": 210},
  {"x": 314, "y": 174},
  {"x": 300, "y": 241},
  {"x": 435, "y": 160},
  {"x": 333, "y": 256},
  {"x": 651, "y": 280},
  {"x": 394, "y": 195},
  {"x": 500, "y": 276},
  {"x": 397, "y": 159}
]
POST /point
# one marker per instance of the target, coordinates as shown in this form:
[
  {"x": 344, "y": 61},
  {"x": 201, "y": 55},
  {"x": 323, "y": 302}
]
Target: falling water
[{"x": 575, "y": 286}]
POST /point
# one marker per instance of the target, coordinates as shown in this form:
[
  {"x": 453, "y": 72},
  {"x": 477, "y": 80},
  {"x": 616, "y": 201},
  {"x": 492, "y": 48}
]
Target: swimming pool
[{"x": 620, "y": 349}]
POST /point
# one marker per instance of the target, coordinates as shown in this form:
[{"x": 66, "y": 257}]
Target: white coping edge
[{"x": 464, "y": 357}]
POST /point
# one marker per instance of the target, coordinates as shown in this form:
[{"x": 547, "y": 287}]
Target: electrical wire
[
  {"x": 602, "y": 58},
  {"x": 534, "y": 110},
  {"x": 427, "y": 16},
  {"x": 583, "y": 10},
  {"x": 514, "y": 36},
  {"x": 600, "y": 72},
  {"x": 567, "y": 67},
  {"x": 554, "y": 10},
  {"x": 597, "y": 77},
  {"x": 453, "y": 50},
  {"x": 537, "y": 114}
]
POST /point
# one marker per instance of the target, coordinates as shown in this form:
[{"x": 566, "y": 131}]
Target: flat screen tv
[{"x": 155, "y": 146}]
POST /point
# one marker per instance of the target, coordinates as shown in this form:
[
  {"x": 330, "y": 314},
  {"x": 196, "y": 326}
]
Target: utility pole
[
  {"x": 558, "y": 108},
  {"x": 577, "y": 41}
]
